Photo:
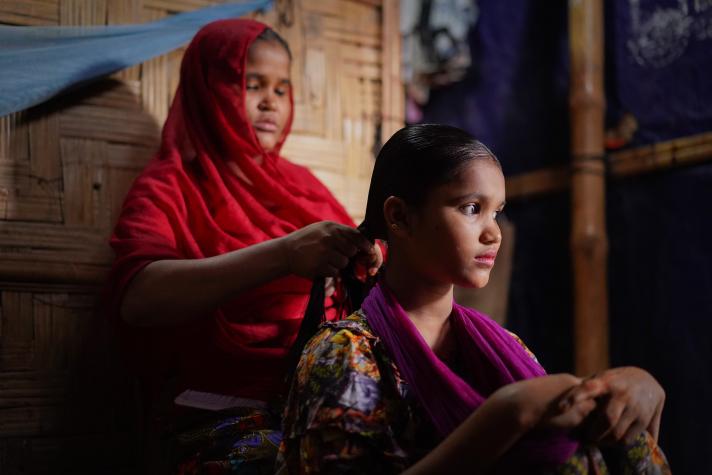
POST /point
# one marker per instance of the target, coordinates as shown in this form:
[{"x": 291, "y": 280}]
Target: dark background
[{"x": 515, "y": 99}]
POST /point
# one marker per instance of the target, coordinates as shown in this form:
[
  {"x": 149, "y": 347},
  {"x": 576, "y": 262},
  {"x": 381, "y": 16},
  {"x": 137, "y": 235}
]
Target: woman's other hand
[
  {"x": 323, "y": 249},
  {"x": 633, "y": 403}
]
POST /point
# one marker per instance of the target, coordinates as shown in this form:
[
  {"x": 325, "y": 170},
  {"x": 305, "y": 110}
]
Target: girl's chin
[
  {"x": 473, "y": 283},
  {"x": 477, "y": 281}
]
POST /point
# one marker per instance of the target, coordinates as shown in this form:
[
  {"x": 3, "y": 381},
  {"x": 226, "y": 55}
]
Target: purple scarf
[{"x": 492, "y": 359}]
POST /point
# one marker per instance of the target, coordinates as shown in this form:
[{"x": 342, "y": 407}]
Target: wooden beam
[
  {"x": 589, "y": 243},
  {"x": 680, "y": 152},
  {"x": 684, "y": 151},
  {"x": 546, "y": 180}
]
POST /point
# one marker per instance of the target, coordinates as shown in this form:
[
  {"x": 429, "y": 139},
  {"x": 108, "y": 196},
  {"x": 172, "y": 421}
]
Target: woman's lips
[
  {"x": 265, "y": 126},
  {"x": 486, "y": 259}
]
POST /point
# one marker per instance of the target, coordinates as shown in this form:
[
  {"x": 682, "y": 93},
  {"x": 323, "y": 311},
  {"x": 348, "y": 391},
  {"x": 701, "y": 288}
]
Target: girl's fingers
[
  {"x": 625, "y": 424},
  {"x": 588, "y": 389},
  {"x": 607, "y": 419},
  {"x": 654, "y": 427},
  {"x": 633, "y": 432}
]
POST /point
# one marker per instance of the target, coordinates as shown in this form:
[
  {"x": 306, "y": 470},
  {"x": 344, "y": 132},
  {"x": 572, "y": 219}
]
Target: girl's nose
[{"x": 491, "y": 234}]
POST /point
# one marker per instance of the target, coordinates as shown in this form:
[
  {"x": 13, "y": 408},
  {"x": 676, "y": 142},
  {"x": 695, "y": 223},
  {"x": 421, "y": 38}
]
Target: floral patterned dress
[{"x": 349, "y": 411}]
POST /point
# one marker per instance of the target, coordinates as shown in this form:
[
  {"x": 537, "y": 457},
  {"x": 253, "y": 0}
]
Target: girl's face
[
  {"x": 454, "y": 237},
  {"x": 267, "y": 97}
]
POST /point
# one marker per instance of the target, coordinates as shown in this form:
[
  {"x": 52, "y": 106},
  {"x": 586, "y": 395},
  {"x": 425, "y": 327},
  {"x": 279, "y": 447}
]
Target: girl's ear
[{"x": 398, "y": 219}]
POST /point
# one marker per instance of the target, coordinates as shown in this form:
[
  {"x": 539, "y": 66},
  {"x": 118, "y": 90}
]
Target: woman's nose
[{"x": 268, "y": 102}]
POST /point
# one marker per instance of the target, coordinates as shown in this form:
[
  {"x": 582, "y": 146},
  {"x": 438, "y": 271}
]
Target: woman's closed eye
[{"x": 256, "y": 86}]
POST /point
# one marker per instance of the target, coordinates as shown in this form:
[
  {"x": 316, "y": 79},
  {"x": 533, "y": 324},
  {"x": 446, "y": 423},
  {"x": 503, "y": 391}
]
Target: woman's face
[
  {"x": 454, "y": 237},
  {"x": 268, "y": 91}
]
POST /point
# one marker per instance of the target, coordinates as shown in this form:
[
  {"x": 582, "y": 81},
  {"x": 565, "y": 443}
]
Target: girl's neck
[{"x": 428, "y": 304}]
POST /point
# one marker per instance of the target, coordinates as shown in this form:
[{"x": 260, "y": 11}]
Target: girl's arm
[
  {"x": 169, "y": 292},
  {"x": 506, "y": 416}
]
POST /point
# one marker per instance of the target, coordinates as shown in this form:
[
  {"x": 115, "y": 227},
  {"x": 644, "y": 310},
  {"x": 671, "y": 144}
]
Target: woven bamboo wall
[{"x": 65, "y": 167}]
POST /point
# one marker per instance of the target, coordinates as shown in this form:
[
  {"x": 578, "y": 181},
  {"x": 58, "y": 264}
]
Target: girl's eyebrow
[{"x": 475, "y": 196}]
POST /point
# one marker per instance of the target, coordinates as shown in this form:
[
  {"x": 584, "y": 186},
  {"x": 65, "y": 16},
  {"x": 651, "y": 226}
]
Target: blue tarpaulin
[{"x": 36, "y": 63}]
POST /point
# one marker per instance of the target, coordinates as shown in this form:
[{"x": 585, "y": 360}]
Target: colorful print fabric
[{"x": 349, "y": 411}]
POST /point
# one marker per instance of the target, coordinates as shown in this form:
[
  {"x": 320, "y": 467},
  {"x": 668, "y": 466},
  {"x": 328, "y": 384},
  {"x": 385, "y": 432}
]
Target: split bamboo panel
[{"x": 65, "y": 167}]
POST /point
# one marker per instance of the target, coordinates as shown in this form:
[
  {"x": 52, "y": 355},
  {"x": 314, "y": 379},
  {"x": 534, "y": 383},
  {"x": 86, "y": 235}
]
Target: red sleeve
[{"x": 144, "y": 233}]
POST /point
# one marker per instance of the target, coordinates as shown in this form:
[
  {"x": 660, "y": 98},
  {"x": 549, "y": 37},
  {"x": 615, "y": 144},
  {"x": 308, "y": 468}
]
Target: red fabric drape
[{"x": 188, "y": 204}]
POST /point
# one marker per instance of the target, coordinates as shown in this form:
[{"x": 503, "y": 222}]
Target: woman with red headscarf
[{"x": 217, "y": 243}]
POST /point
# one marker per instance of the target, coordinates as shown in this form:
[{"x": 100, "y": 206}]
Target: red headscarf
[{"x": 188, "y": 204}]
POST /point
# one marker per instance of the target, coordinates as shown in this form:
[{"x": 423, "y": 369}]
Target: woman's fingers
[
  {"x": 328, "y": 270},
  {"x": 337, "y": 259},
  {"x": 357, "y": 239},
  {"x": 323, "y": 248},
  {"x": 343, "y": 244},
  {"x": 329, "y": 286}
]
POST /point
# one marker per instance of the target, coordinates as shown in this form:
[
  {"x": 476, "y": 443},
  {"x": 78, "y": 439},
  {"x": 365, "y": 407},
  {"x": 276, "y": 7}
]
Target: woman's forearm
[{"x": 171, "y": 292}]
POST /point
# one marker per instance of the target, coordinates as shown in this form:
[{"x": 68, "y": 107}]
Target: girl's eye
[
  {"x": 497, "y": 213},
  {"x": 252, "y": 86},
  {"x": 471, "y": 209},
  {"x": 281, "y": 91}
]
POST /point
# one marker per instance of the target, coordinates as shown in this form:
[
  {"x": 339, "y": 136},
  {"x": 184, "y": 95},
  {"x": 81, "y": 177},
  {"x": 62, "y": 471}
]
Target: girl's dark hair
[
  {"x": 412, "y": 162},
  {"x": 415, "y": 160},
  {"x": 268, "y": 34}
]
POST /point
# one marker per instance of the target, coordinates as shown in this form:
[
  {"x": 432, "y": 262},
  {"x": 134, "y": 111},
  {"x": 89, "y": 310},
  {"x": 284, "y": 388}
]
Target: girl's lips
[{"x": 486, "y": 259}]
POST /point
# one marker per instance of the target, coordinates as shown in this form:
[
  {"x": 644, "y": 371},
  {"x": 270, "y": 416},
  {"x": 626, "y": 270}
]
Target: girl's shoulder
[
  {"x": 356, "y": 322},
  {"x": 523, "y": 345},
  {"x": 338, "y": 373},
  {"x": 345, "y": 341}
]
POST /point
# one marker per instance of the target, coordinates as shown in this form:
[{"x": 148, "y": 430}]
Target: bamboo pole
[{"x": 589, "y": 244}]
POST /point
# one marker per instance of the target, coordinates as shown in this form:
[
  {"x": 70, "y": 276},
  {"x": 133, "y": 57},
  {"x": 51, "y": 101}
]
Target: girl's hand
[
  {"x": 322, "y": 249},
  {"x": 558, "y": 400},
  {"x": 571, "y": 409},
  {"x": 633, "y": 403}
]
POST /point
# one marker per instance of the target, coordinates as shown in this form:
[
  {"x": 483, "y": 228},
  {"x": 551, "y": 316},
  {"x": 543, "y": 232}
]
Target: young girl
[
  {"x": 413, "y": 382},
  {"x": 216, "y": 246}
]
